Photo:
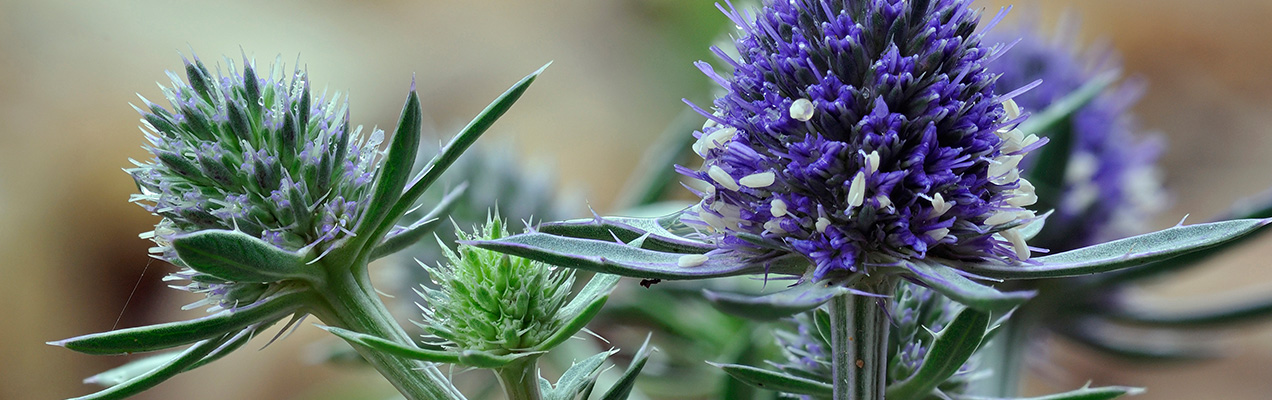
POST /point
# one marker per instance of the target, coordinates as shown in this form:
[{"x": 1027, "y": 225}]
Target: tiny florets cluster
[
  {"x": 859, "y": 132},
  {"x": 1109, "y": 187},
  {"x": 255, "y": 154},
  {"x": 492, "y": 302},
  {"x": 916, "y": 314}
]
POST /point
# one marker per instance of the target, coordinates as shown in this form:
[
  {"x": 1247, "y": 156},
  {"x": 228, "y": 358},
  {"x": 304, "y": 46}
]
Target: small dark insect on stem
[{"x": 649, "y": 282}]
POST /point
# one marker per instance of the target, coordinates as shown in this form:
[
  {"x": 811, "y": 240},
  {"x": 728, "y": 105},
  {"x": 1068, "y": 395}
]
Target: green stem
[
  {"x": 352, "y": 304},
  {"x": 859, "y": 342},
  {"x": 520, "y": 380}
]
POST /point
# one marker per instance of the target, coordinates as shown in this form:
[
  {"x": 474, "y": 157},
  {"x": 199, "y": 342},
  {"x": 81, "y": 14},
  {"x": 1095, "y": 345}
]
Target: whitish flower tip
[
  {"x": 857, "y": 190},
  {"x": 822, "y": 224},
  {"x": 802, "y": 110},
  {"x": 691, "y": 260},
  {"x": 1013, "y": 110},
  {"x": 723, "y": 178},
  {"x": 778, "y": 208},
  {"x": 763, "y": 179}
]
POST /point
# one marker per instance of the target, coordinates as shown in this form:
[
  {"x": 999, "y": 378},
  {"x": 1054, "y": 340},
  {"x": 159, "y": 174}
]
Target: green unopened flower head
[
  {"x": 253, "y": 154},
  {"x": 491, "y": 302}
]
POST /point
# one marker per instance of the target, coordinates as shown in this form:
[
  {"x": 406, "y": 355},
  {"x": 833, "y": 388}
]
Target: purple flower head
[
  {"x": 862, "y": 132},
  {"x": 257, "y": 154},
  {"x": 1109, "y": 186}
]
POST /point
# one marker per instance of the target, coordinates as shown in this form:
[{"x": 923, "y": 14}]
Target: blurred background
[{"x": 71, "y": 256}]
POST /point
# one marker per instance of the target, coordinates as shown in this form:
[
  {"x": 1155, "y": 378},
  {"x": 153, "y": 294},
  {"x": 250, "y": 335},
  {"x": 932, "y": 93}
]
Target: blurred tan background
[{"x": 69, "y": 247}]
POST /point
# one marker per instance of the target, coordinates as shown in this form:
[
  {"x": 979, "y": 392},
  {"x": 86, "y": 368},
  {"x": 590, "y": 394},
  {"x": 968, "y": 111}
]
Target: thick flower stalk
[
  {"x": 918, "y": 317},
  {"x": 861, "y": 133}
]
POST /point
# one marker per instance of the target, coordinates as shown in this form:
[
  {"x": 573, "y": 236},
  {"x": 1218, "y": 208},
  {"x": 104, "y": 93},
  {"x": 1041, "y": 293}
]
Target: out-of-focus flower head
[
  {"x": 864, "y": 132},
  {"x": 1108, "y": 186}
]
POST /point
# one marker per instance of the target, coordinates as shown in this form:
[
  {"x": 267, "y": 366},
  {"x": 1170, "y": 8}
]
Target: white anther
[
  {"x": 1017, "y": 243},
  {"x": 715, "y": 139},
  {"x": 778, "y": 208},
  {"x": 802, "y": 110},
  {"x": 857, "y": 190},
  {"x": 763, "y": 179},
  {"x": 691, "y": 260},
  {"x": 1013, "y": 110},
  {"x": 884, "y": 201},
  {"x": 872, "y": 162},
  {"x": 1000, "y": 218},
  {"x": 1004, "y": 165},
  {"x": 773, "y": 226},
  {"x": 822, "y": 223},
  {"x": 718, "y": 175},
  {"x": 1025, "y": 195},
  {"x": 938, "y": 234},
  {"x": 939, "y": 206},
  {"x": 709, "y": 124}
]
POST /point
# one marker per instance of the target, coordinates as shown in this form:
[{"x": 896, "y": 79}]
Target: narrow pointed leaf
[
  {"x": 1086, "y": 393},
  {"x": 173, "y": 334},
  {"x": 951, "y": 349},
  {"x": 581, "y": 309},
  {"x": 800, "y": 298},
  {"x": 1123, "y": 253},
  {"x": 140, "y": 367},
  {"x": 1032, "y": 228},
  {"x": 627, "y": 229},
  {"x": 396, "y": 169},
  {"x": 487, "y": 360},
  {"x": 1209, "y": 318},
  {"x": 776, "y": 381},
  {"x": 460, "y": 143},
  {"x": 622, "y": 259},
  {"x": 952, "y": 284},
  {"x": 238, "y": 257},
  {"x": 412, "y": 234},
  {"x": 1257, "y": 207},
  {"x": 577, "y": 378},
  {"x": 394, "y": 348},
  {"x": 623, "y": 387},
  {"x": 156, "y": 376}
]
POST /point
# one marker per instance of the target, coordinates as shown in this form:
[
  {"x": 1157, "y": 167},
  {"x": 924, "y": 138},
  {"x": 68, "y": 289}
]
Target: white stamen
[
  {"x": 822, "y": 223},
  {"x": 709, "y": 124},
  {"x": 802, "y": 110},
  {"x": 711, "y": 219},
  {"x": 1017, "y": 243},
  {"x": 938, "y": 234},
  {"x": 884, "y": 201},
  {"x": 691, "y": 260},
  {"x": 717, "y": 174},
  {"x": 872, "y": 162},
  {"x": 763, "y": 179},
  {"x": 721, "y": 136},
  {"x": 857, "y": 190},
  {"x": 1025, "y": 195},
  {"x": 939, "y": 206},
  {"x": 1000, "y": 218},
  {"x": 779, "y": 208},
  {"x": 1003, "y": 165},
  {"x": 773, "y": 226},
  {"x": 1013, "y": 110}
]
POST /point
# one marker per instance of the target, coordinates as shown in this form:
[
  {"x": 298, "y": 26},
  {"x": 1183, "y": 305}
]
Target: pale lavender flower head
[
  {"x": 1108, "y": 187},
  {"x": 861, "y": 132},
  {"x": 256, "y": 154}
]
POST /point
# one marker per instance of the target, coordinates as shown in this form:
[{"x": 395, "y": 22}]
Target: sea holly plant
[
  {"x": 272, "y": 205},
  {"x": 858, "y": 144}
]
